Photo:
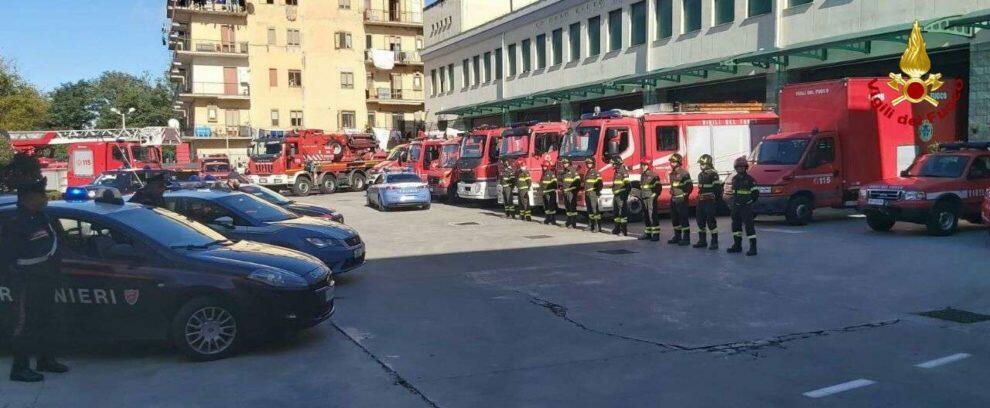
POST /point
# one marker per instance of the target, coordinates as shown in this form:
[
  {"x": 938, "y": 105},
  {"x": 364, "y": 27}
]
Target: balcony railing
[
  {"x": 393, "y": 16},
  {"x": 229, "y": 89},
  {"x": 210, "y": 46},
  {"x": 211, "y": 131},
  {"x": 389, "y": 94},
  {"x": 211, "y": 6},
  {"x": 401, "y": 57}
]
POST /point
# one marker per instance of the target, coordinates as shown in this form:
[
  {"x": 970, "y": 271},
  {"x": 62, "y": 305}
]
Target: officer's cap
[{"x": 32, "y": 185}]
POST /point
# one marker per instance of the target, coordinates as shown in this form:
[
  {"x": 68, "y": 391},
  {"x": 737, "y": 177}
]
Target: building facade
[
  {"x": 245, "y": 67},
  {"x": 555, "y": 59}
]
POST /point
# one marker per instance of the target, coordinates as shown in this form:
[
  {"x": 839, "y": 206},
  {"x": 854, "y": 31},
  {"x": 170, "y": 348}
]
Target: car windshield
[
  {"x": 217, "y": 168},
  {"x": 256, "y": 208},
  {"x": 448, "y": 156},
  {"x": 394, "y": 155},
  {"x": 581, "y": 143},
  {"x": 780, "y": 151},
  {"x": 938, "y": 165},
  {"x": 414, "y": 152},
  {"x": 403, "y": 178},
  {"x": 120, "y": 181},
  {"x": 514, "y": 146},
  {"x": 168, "y": 228},
  {"x": 266, "y": 194},
  {"x": 473, "y": 146}
]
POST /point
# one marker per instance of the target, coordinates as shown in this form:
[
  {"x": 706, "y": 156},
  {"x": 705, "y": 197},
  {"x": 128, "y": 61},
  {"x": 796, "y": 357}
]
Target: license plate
[
  {"x": 468, "y": 189},
  {"x": 264, "y": 180},
  {"x": 763, "y": 189},
  {"x": 359, "y": 252},
  {"x": 876, "y": 201}
]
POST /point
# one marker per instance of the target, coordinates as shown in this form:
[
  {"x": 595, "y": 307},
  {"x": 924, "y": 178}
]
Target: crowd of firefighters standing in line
[{"x": 568, "y": 183}]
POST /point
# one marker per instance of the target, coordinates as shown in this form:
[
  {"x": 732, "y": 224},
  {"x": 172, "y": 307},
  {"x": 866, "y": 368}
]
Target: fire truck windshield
[
  {"x": 267, "y": 148},
  {"x": 473, "y": 146},
  {"x": 448, "y": 156},
  {"x": 514, "y": 146},
  {"x": 938, "y": 165},
  {"x": 414, "y": 152},
  {"x": 581, "y": 143},
  {"x": 780, "y": 151},
  {"x": 394, "y": 155}
]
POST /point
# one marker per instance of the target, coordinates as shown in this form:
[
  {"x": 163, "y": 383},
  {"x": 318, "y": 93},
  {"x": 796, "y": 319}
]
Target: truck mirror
[
  {"x": 904, "y": 173},
  {"x": 612, "y": 148}
]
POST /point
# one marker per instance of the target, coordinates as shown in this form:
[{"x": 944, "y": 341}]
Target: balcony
[
  {"x": 216, "y": 90},
  {"x": 220, "y": 132},
  {"x": 217, "y": 7},
  {"x": 401, "y": 57},
  {"x": 389, "y": 96},
  {"x": 185, "y": 46},
  {"x": 393, "y": 17}
]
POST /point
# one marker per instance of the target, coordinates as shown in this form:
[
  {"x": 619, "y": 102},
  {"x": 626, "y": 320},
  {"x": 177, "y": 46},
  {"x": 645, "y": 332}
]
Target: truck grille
[
  {"x": 467, "y": 176},
  {"x": 433, "y": 180},
  {"x": 261, "y": 168},
  {"x": 352, "y": 241},
  {"x": 884, "y": 194}
]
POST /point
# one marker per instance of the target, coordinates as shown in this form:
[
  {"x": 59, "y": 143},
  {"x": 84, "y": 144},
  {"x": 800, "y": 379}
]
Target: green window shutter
[
  {"x": 557, "y": 41},
  {"x": 638, "y": 16},
  {"x": 665, "y": 18},
  {"x": 541, "y": 51},
  {"x": 575, "y": 38},
  {"x": 692, "y": 15},
  {"x": 594, "y": 36},
  {"x": 757, "y": 7},
  {"x": 527, "y": 56},
  {"x": 512, "y": 60},
  {"x": 615, "y": 30},
  {"x": 725, "y": 11}
]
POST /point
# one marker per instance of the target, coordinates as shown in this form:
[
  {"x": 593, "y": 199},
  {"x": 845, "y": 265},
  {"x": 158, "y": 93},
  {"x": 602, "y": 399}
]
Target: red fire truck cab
[
  {"x": 936, "y": 190},
  {"x": 529, "y": 144},
  {"x": 837, "y": 135},
  {"x": 725, "y": 131},
  {"x": 477, "y": 165},
  {"x": 442, "y": 176},
  {"x": 423, "y": 153}
]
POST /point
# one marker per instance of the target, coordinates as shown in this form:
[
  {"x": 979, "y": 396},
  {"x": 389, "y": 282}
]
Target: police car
[
  {"x": 242, "y": 216},
  {"x": 274, "y": 197},
  {"x": 136, "y": 272},
  {"x": 393, "y": 189}
]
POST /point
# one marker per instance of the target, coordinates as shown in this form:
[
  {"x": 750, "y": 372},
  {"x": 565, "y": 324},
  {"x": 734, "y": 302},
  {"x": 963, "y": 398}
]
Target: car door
[
  {"x": 114, "y": 284},
  {"x": 818, "y": 172},
  {"x": 978, "y": 181},
  {"x": 373, "y": 189}
]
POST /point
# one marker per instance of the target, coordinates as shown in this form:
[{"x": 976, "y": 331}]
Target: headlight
[
  {"x": 321, "y": 242},
  {"x": 277, "y": 278},
  {"x": 914, "y": 195}
]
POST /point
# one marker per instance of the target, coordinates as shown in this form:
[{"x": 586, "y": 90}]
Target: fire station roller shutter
[{"x": 723, "y": 143}]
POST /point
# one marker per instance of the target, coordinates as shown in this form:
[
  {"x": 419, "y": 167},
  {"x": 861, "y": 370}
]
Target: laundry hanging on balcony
[{"x": 383, "y": 59}]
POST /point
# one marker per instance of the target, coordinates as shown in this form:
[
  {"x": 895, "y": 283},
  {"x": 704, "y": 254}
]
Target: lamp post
[{"x": 123, "y": 116}]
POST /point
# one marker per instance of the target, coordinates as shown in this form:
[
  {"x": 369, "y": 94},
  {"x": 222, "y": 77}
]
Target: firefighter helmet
[
  {"x": 565, "y": 161},
  {"x": 741, "y": 162},
  {"x": 676, "y": 158},
  {"x": 646, "y": 161},
  {"x": 705, "y": 160},
  {"x": 589, "y": 160}
]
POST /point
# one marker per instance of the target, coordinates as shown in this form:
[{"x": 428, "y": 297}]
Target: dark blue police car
[
  {"x": 245, "y": 217},
  {"x": 136, "y": 272}
]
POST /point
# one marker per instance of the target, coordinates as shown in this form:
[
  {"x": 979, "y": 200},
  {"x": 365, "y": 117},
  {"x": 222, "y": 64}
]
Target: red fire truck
[
  {"x": 302, "y": 159},
  {"x": 391, "y": 161},
  {"x": 477, "y": 165},
  {"x": 725, "y": 131},
  {"x": 529, "y": 144},
  {"x": 442, "y": 176},
  {"x": 91, "y": 152},
  {"x": 837, "y": 135}
]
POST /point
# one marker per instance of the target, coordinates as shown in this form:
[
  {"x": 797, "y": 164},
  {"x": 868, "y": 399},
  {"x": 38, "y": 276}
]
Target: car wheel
[
  {"x": 943, "y": 219},
  {"x": 800, "y": 210},
  {"x": 635, "y": 207},
  {"x": 358, "y": 182},
  {"x": 879, "y": 221},
  {"x": 302, "y": 186},
  {"x": 206, "y": 329},
  {"x": 329, "y": 184},
  {"x": 426, "y": 207}
]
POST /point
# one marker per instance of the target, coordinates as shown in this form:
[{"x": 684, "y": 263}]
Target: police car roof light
[
  {"x": 77, "y": 194},
  {"x": 964, "y": 145}
]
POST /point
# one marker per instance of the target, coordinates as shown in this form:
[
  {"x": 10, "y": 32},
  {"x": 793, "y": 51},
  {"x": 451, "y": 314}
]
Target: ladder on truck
[{"x": 146, "y": 136}]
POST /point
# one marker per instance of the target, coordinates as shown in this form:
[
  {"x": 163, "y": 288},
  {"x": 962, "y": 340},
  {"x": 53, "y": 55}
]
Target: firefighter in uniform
[
  {"x": 649, "y": 191},
  {"x": 30, "y": 250},
  {"x": 570, "y": 186},
  {"x": 709, "y": 195},
  {"x": 744, "y": 194},
  {"x": 592, "y": 190},
  {"x": 507, "y": 181},
  {"x": 523, "y": 183},
  {"x": 680, "y": 189},
  {"x": 548, "y": 189},
  {"x": 621, "y": 186}
]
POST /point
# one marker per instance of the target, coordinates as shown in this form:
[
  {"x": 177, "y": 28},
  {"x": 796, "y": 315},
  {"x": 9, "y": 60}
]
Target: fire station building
[{"x": 556, "y": 59}]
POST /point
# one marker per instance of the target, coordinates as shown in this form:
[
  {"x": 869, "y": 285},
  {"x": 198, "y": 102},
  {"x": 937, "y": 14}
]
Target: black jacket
[
  {"x": 28, "y": 241},
  {"x": 649, "y": 184},
  {"x": 744, "y": 191},
  {"x": 680, "y": 184}
]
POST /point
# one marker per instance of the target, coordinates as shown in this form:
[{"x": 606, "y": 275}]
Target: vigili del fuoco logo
[{"x": 915, "y": 64}]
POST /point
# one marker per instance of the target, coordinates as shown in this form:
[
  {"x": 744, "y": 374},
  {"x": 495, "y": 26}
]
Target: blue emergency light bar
[
  {"x": 609, "y": 114},
  {"x": 78, "y": 194}
]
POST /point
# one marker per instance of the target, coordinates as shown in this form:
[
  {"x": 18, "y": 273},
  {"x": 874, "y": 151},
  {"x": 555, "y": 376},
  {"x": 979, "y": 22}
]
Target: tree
[
  {"x": 22, "y": 107},
  {"x": 151, "y": 100},
  {"x": 71, "y": 106}
]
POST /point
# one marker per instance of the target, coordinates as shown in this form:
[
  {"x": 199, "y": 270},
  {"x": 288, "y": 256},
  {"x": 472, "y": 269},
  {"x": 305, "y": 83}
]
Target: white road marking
[
  {"x": 784, "y": 231},
  {"x": 835, "y": 389},
  {"x": 943, "y": 361}
]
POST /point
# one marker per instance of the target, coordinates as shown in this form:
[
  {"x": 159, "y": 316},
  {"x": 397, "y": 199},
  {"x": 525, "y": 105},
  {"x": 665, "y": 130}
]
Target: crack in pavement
[
  {"x": 731, "y": 348},
  {"x": 396, "y": 377}
]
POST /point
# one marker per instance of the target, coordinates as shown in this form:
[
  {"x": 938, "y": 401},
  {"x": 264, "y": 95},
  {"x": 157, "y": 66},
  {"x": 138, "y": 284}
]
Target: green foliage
[
  {"x": 71, "y": 106},
  {"x": 151, "y": 100},
  {"x": 6, "y": 150},
  {"x": 22, "y": 107}
]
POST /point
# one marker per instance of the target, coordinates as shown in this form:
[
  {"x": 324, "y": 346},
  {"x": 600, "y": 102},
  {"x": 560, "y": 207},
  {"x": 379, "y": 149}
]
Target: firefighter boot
[
  {"x": 736, "y": 245},
  {"x": 685, "y": 238},
  {"x": 714, "y": 243},
  {"x": 625, "y": 229},
  {"x": 656, "y": 235},
  {"x": 702, "y": 240},
  {"x": 553, "y": 220},
  {"x": 647, "y": 235},
  {"x": 50, "y": 365},
  {"x": 616, "y": 228},
  {"x": 752, "y": 247},
  {"x": 21, "y": 371},
  {"x": 677, "y": 237}
]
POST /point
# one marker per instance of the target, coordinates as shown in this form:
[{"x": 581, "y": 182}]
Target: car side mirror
[
  {"x": 124, "y": 252},
  {"x": 612, "y": 148},
  {"x": 225, "y": 222}
]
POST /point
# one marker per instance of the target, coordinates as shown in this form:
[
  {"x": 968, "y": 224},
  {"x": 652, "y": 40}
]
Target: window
[
  {"x": 419, "y": 43},
  {"x": 270, "y": 1},
  {"x": 292, "y": 37},
  {"x": 443, "y": 80},
  {"x": 526, "y": 55},
  {"x": 488, "y": 67},
  {"x": 665, "y": 19},
  {"x": 477, "y": 69},
  {"x": 792, "y": 3},
  {"x": 557, "y": 42},
  {"x": 757, "y": 7},
  {"x": 271, "y": 36},
  {"x": 368, "y": 43},
  {"x": 450, "y": 76},
  {"x": 512, "y": 60},
  {"x": 342, "y": 40},
  {"x": 498, "y": 64},
  {"x": 371, "y": 120},
  {"x": 296, "y": 118},
  {"x": 725, "y": 11},
  {"x": 346, "y": 80},
  {"x": 417, "y": 82},
  {"x": 347, "y": 119},
  {"x": 574, "y": 32},
  {"x": 211, "y": 113},
  {"x": 823, "y": 152},
  {"x": 93, "y": 240},
  {"x": 667, "y": 138},
  {"x": 980, "y": 168},
  {"x": 541, "y": 51},
  {"x": 344, "y": 4},
  {"x": 619, "y": 136},
  {"x": 615, "y": 30},
  {"x": 433, "y": 82},
  {"x": 692, "y": 15},
  {"x": 637, "y": 13},
  {"x": 465, "y": 73},
  {"x": 594, "y": 36},
  {"x": 295, "y": 78},
  {"x": 274, "y": 115},
  {"x": 272, "y": 77},
  {"x": 291, "y": 2}
]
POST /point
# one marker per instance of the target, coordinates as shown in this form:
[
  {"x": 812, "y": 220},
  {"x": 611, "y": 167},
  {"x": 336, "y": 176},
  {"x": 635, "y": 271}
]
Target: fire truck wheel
[
  {"x": 943, "y": 219},
  {"x": 302, "y": 186},
  {"x": 358, "y": 182},
  {"x": 879, "y": 221},
  {"x": 329, "y": 184},
  {"x": 635, "y": 206},
  {"x": 799, "y": 210}
]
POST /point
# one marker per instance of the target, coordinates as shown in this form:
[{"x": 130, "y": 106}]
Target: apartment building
[{"x": 242, "y": 68}]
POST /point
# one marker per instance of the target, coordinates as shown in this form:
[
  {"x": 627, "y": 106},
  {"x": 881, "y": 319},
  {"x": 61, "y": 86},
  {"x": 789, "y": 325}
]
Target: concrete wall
[{"x": 979, "y": 88}]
